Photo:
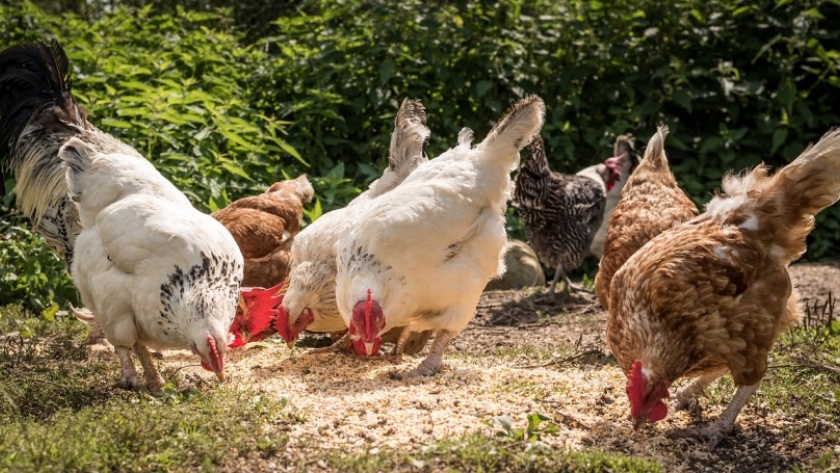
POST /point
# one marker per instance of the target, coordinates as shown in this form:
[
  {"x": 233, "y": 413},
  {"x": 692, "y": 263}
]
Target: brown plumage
[
  {"x": 264, "y": 227},
  {"x": 713, "y": 294},
  {"x": 651, "y": 203}
]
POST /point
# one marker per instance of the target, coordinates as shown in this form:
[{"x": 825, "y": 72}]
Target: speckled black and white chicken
[{"x": 562, "y": 212}]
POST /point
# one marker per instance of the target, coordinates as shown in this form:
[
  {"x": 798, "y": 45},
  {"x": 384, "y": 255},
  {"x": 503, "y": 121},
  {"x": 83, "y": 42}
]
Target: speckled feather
[{"x": 561, "y": 212}]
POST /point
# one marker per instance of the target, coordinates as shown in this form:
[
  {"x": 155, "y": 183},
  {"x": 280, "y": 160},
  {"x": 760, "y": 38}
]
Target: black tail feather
[{"x": 32, "y": 77}]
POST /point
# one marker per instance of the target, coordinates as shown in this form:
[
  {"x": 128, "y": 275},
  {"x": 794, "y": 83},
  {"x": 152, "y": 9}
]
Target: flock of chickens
[{"x": 688, "y": 294}]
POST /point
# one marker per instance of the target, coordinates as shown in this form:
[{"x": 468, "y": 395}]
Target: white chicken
[
  {"x": 309, "y": 301},
  {"x": 154, "y": 271},
  {"x": 420, "y": 257}
]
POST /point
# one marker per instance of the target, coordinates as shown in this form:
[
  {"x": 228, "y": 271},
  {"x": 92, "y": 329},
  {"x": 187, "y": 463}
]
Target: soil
[{"x": 523, "y": 353}]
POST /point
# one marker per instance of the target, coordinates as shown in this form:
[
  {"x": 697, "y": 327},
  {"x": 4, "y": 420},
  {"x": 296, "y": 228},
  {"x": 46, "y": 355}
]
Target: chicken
[
  {"x": 623, "y": 146},
  {"x": 37, "y": 116},
  {"x": 264, "y": 227},
  {"x": 713, "y": 294},
  {"x": 562, "y": 212},
  {"x": 420, "y": 256},
  {"x": 309, "y": 302},
  {"x": 651, "y": 203},
  {"x": 171, "y": 281}
]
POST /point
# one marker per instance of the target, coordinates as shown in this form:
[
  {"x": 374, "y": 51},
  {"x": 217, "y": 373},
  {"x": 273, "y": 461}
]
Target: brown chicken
[
  {"x": 712, "y": 295},
  {"x": 651, "y": 203},
  {"x": 264, "y": 227}
]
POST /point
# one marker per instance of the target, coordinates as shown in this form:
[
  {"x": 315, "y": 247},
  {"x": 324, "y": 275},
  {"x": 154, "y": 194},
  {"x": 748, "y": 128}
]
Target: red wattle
[{"x": 657, "y": 412}]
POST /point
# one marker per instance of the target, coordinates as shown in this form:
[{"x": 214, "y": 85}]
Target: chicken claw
[
  {"x": 724, "y": 425},
  {"x": 339, "y": 345},
  {"x": 434, "y": 361},
  {"x": 128, "y": 377}
]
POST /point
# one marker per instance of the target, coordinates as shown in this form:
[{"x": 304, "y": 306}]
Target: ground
[{"x": 522, "y": 357}]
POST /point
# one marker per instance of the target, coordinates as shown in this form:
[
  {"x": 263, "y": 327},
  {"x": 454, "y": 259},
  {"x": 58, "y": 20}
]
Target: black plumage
[
  {"x": 37, "y": 116},
  {"x": 561, "y": 212}
]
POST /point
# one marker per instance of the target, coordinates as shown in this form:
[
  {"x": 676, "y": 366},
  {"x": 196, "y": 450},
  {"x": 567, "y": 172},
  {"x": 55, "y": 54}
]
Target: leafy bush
[
  {"x": 737, "y": 81},
  {"x": 31, "y": 273}
]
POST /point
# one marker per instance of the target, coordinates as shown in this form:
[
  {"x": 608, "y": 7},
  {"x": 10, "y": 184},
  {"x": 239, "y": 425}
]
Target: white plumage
[
  {"x": 154, "y": 271},
  {"x": 425, "y": 251}
]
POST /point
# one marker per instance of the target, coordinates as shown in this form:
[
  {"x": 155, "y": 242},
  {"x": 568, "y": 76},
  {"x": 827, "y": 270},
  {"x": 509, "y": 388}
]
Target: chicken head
[
  {"x": 212, "y": 354},
  {"x": 645, "y": 397},
  {"x": 254, "y": 313},
  {"x": 290, "y": 329},
  {"x": 614, "y": 166},
  {"x": 366, "y": 323}
]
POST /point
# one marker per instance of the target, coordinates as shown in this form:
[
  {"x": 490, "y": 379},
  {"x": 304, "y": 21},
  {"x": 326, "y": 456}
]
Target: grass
[{"x": 60, "y": 413}]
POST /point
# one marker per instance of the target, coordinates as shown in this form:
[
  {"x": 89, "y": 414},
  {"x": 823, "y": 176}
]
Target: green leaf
[{"x": 779, "y": 137}]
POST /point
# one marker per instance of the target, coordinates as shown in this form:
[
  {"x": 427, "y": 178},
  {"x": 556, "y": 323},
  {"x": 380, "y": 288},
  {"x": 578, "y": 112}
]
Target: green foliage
[
  {"x": 31, "y": 273},
  {"x": 532, "y": 432},
  {"x": 737, "y": 81}
]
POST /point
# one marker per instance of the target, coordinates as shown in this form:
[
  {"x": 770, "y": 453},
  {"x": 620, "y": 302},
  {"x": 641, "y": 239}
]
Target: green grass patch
[{"x": 483, "y": 453}]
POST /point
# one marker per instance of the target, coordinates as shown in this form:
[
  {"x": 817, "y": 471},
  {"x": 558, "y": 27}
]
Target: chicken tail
[
  {"x": 625, "y": 144},
  {"x": 36, "y": 90},
  {"x": 77, "y": 156},
  {"x": 655, "y": 158},
  {"x": 513, "y": 132},
  {"x": 409, "y": 139},
  {"x": 781, "y": 207}
]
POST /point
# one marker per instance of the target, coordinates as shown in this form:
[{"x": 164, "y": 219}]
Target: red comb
[
  {"x": 256, "y": 310},
  {"x": 368, "y": 308},
  {"x": 214, "y": 352},
  {"x": 281, "y": 323},
  {"x": 636, "y": 387}
]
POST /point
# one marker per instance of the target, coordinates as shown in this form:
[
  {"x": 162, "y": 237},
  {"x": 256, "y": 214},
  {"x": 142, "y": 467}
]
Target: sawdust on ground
[{"x": 353, "y": 405}]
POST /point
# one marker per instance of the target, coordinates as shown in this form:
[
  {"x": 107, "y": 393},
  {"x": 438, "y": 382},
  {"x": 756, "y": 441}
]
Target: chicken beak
[
  {"x": 369, "y": 348},
  {"x": 220, "y": 375},
  {"x": 291, "y": 344},
  {"x": 639, "y": 421}
]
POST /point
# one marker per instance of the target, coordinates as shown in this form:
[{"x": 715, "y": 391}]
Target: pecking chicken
[
  {"x": 38, "y": 115},
  {"x": 154, "y": 271},
  {"x": 562, "y": 212},
  {"x": 309, "y": 302},
  {"x": 264, "y": 227},
  {"x": 651, "y": 203},
  {"x": 713, "y": 294},
  {"x": 623, "y": 146},
  {"x": 420, "y": 256}
]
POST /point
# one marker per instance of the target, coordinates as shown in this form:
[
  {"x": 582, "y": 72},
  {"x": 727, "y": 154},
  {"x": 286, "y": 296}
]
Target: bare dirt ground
[{"x": 502, "y": 366}]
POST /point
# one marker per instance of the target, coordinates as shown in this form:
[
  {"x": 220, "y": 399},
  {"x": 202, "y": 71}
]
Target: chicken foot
[
  {"x": 689, "y": 393},
  {"x": 433, "y": 362},
  {"x": 153, "y": 379},
  {"x": 724, "y": 424},
  {"x": 340, "y": 344},
  {"x": 396, "y": 356},
  {"x": 128, "y": 374}
]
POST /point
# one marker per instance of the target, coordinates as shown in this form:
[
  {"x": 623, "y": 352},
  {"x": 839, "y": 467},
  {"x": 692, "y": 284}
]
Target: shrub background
[{"x": 226, "y": 101}]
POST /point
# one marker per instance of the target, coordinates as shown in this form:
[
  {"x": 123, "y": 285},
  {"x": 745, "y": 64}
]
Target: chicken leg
[
  {"x": 724, "y": 424},
  {"x": 396, "y": 355},
  {"x": 153, "y": 379},
  {"x": 690, "y": 392},
  {"x": 434, "y": 361},
  {"x": 128, "y": 374}
]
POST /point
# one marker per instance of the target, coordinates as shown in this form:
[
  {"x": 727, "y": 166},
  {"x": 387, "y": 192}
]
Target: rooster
[
  {"x": 562, "y": 212},
  {"x": 264, "y": 227},
  {"x": 38, "y": 115},
  {"x": 309, "y": 301},
  {"x": 623, "y": 146},
  {"x": 713, "y": 294},
  {"x": 651, "y": 203},
  {"x": 420, "y": 256},
  {"x": 171, "y": 281}
]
